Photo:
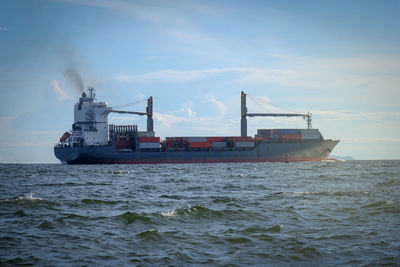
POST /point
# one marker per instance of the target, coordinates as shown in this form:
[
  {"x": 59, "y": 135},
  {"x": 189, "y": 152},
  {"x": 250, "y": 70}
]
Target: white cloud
[
  {"x": 190, "y": 112},
  {"x": 61, "y": 94},
  {"x": 222, "y": 108},
  {"x": 346, "y": 115},
  {"x": 167, "y": 120},
  {"x": 171, "y": 75},
  {"x": 172, "y": 18}
]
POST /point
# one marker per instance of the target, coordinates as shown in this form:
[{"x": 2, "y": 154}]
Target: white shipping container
[
  {"x": 149, "y": 145},
  {"x": 146, "y": 134},
  {"x": 311, "y": 136},
  {"x": 309, "y": 131},
  {"x": 219, "y": 144},
  {"x": 244, "y": 144}
]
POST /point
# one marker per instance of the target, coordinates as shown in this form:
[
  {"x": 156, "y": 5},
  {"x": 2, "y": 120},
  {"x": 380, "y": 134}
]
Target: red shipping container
[
  {"x": 240, "y": 139},
  {"x": 199, "y": 145},
  {"x": 291, "y": 136},
  {"x": 215, "y": 139},
  {"x": 149, "y": 139}
]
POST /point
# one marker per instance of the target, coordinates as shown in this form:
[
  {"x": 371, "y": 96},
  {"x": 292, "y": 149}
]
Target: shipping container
[
  {"x": 196, "y": 139},
  {"x": 244, "y": 144},
  {"x": 310, "y": 131},
  {"x": 219, "y": 144},
  {"x": 311, "y": 136},
  {"x": 264, "y": 132},
  {"x": 291, "y": 136},
  {"x": 261, "y": 138},
  {"x": 149, "y": 139},
  {"x": 215, "y": 139},
  {"x": 149, "y": 145},
  {"x": 287, "y": 131},
  {"x": 174, "y": 138},
  {"x": 239, "y": 138},
  {"x": 146, "y": 134},
  {"x": 199, "y": 145}
]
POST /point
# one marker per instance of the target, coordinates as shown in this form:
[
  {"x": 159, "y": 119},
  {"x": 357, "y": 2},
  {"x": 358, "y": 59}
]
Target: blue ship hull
[{"x": 315, "y": 150}]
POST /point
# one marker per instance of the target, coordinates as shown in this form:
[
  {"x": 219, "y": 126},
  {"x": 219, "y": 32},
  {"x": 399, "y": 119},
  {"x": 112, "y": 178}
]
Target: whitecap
[
  {"x": 29, "y": 196},
  {"x": 168, "y": 213}
]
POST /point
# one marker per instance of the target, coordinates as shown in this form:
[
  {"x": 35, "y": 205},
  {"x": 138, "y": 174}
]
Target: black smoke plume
[{"x": 74, "y": 79}]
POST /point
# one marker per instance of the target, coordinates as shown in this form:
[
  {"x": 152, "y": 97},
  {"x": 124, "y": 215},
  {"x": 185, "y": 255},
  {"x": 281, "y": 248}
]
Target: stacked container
[
  {"x": 289, "y": 134},
  {"x": 174, "y": 143},
  {"x": 219, "y": 145},
  {"x": 149, "y": 143},
  {"x": 311, "y": 134}
]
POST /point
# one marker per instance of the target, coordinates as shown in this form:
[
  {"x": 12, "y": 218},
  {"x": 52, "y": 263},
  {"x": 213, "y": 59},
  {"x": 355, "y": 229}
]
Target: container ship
[{"x": 93, "y": 141}]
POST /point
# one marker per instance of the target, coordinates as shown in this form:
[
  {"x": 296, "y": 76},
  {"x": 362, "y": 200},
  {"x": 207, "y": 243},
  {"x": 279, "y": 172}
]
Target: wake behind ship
[{"x": 93, "y": 141}]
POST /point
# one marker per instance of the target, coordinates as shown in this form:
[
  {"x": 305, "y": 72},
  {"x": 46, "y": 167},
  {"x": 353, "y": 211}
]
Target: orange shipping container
[
  {"x": 291, "y": 136},
  {"x": 199, "y": 145}
]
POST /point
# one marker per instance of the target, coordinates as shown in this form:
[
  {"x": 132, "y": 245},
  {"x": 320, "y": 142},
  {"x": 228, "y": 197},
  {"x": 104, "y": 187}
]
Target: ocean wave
[
  {"x": 238, "y": 240},
  {"x": 150, "y": 235},
  {"x": 90, "y": 201},
  {"x": 130, "y": 217},
  {"x": 201, "y": 212},
  {"x": 74, "y": 216},
  {"x": 170, "y": 213},
  {"x": 28, "y": 197},
  {"x": 172, "y": 196}
]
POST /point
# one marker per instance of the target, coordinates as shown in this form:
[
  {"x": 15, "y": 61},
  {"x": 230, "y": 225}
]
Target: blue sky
[{"x": 339, "y": 60}]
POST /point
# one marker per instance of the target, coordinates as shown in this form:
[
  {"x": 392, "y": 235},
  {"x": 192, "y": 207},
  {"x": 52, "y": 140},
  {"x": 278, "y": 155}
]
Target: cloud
[
  {"x": 368, "y": 79},
  {"x": 3, "y": 29},
  {"x": 172, "y": 75},
  {"x": 346, "y": 115},
  {"x": 221, "y": 107},
  {"x": 190, "y": 112},
  {"x": 61, "y": 94},
  {"x": 172, "y": 18},
  {"x": 167, "y": 120}
]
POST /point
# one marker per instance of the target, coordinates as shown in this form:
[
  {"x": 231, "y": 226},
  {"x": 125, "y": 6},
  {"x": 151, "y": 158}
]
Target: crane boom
[
  {"x": 127, "y": 112},
  {"x": 148, "y": 113},
  {"x": 276, "y": 115},
  {"x": 244, "y": 115}
]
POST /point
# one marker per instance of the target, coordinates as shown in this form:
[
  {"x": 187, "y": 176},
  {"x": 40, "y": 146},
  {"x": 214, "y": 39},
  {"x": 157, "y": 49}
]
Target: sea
[{"x": 331, "y": 213}]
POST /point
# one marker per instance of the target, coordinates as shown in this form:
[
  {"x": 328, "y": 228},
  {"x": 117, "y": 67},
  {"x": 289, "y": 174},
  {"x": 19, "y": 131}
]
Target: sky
[{"x": 339, "y": 60}]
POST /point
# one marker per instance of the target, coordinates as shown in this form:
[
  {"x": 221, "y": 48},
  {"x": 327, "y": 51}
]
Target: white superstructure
[{"x": 90, "y": 126}]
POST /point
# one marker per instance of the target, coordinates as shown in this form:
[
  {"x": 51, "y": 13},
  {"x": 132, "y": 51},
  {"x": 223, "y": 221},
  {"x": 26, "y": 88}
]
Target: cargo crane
[
  {"x": 149, "y": 113},
  {"x": 244, "y": 115}
]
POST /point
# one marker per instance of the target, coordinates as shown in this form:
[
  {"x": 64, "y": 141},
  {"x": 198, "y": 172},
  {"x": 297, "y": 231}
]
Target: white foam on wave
[
  {"x": 168, "y": 213},
  {"x": 29, "y": 196}
]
